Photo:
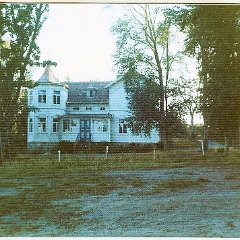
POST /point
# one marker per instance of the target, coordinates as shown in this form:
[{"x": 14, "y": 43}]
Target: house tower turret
[{"x": 48, "y": 100}]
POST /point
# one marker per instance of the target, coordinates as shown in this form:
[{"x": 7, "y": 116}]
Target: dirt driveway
[{"x": 211, "y": 209}]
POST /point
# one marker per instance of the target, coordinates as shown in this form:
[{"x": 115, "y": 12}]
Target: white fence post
[
  {"x": 59, "y": 155},
  {"x": 154, "y": 153},
  {"x": 202, "y": 146},
  {"x": 106, "y": 152}
]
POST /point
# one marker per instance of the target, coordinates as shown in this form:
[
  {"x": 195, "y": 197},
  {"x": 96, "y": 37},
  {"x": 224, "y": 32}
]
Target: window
[
  {"x": 30, "y": 98},
  {"x": 42, "y": 96},
  {"x": 56, "y": 97},
  {"x": 76, "y": 108},
  {"x": 55, "y": 124},
  {"x": 123, "y": 126},
  {"x": 102, "y": 108},
  {"x": 103, "y": 127},
  {"x": 30, "y": 128},
  {"x": 42, "y": 124},
  {"x": 91, "y": 92},
  {"x": 88, "y": 108},
  {"x": 66, "y": 125}
]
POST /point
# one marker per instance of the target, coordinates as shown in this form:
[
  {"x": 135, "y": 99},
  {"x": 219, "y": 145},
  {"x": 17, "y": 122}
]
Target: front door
[{"x": 85, "y": 130}]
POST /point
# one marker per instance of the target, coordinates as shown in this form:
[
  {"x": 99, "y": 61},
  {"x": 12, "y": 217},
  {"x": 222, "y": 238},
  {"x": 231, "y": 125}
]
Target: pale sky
[{"x": 78, "y": 38}]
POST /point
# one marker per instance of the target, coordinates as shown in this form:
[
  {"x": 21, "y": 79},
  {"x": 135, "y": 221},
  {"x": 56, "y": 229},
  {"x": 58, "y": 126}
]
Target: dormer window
[
  {"x": 42, "y": 96},
  {"x": 56, "y": 97},
  {"x": 91, "y": 93}
]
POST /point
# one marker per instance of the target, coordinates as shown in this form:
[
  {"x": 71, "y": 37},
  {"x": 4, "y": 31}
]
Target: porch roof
[{"x": 87, "y": 116}]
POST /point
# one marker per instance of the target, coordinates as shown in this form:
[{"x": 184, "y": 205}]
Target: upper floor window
[
  {"x": 30, "y": 128},
  {"x": 42, "y": 96},
  {"x": 56, "y": 97},
  {"x": 55, "y": 124},
  {"x": 88, "y": 108},
  {"x": 123, "y": 126},
  {"x": 42, "y": 124},
  {"x": 102, "y": 108},
  {"x": 30, "y": 98},
  {"x": 76, "y": 108},
  {"x": 66, "y": 125}
]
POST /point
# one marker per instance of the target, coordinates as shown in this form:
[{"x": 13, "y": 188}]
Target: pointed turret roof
[{"x": 47, "y": 76}]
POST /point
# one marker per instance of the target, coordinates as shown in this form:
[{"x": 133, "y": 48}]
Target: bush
[
  {"x": 100, "y": 147},
  {"x": 220, "y": 150},
  {"x": 37, "y": 150},
  {"x": 64, "y": 146}
]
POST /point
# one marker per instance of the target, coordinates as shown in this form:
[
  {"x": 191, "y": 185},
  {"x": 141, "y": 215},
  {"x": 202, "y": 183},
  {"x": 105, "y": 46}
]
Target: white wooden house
[{"x": 79, "y": 111}]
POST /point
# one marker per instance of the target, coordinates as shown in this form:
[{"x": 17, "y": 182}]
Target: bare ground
[{"x": 146, "y": 203}]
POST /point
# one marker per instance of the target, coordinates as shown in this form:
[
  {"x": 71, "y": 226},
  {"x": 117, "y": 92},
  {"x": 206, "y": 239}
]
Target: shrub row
[{"x": 100, "y": 147}]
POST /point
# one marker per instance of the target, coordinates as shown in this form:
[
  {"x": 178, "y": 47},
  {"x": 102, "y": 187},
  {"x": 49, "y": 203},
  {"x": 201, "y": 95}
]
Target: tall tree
[
  {"x": 213, "y": 33},
  {"x": 143, "y": 58},
  {"x": 20, "y": 25}
]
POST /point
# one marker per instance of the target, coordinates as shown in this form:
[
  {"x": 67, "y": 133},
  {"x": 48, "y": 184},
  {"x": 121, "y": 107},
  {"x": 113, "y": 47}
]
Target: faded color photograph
[{"x": 119, "y": 120}]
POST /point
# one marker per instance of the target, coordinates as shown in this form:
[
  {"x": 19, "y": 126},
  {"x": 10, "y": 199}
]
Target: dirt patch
[{"x": 173, "y": 202}]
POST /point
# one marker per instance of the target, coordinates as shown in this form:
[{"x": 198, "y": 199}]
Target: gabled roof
[
  {"x": 47, "y": 77},
  {"x": 78, "y": 92},
  {"x": 110, "y": 84}
]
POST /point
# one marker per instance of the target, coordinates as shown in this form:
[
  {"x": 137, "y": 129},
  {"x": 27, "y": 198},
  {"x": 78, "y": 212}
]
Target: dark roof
[
  {"x": 78, "y": 92},
  {"x": 47, "y": 77}
]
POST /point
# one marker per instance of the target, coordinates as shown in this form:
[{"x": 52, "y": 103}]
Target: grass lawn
[{"x": 32, "y": 186}]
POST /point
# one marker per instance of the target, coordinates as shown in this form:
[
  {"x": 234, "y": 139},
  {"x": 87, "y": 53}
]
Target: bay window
[
  {"x": 42, "y": 96},
  {"x": 55, "y": 124},
  {"x": 56, "y": 97}
]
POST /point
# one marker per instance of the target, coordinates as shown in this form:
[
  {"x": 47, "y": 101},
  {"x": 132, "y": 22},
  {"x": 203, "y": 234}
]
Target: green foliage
[
  {"x": 19, "y": 28},
  {"x": 213, "y": 37},
  {"x": 176, "y": 127},
  {"x": 143, "y": 99},
  {"x": 144, "y": 61}
]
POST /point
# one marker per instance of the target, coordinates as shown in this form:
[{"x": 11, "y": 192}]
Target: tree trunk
[
  {"x": 1, "y": 148},
  {"x": 192, "y": 124},
  {"x": 162, "y": 115}
]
